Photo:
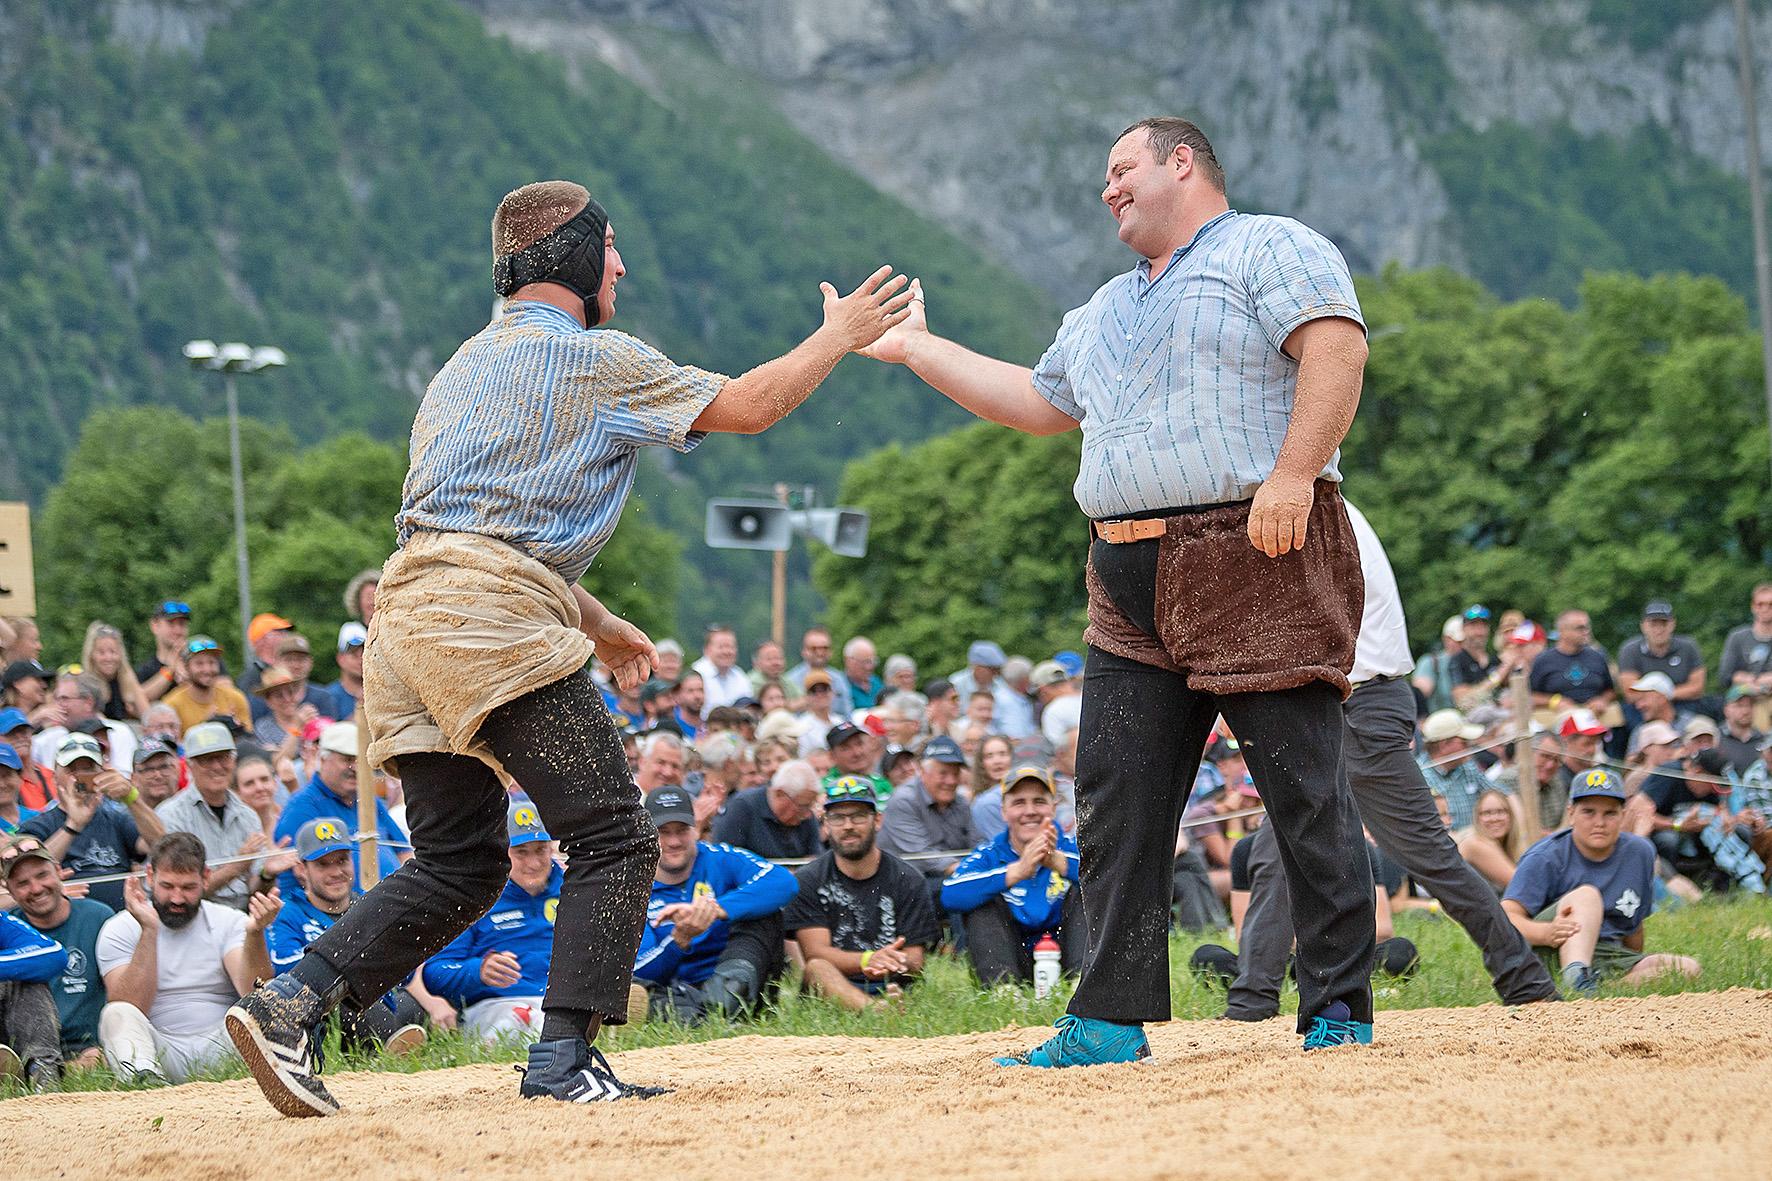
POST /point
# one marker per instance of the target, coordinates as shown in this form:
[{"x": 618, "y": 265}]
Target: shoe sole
[
  {"x": 284, "y": 1093},
  {"x": 639, "y": 1004},
  {"x": 10, "y": 1066},
  {"x": 405, "y": 1040}
]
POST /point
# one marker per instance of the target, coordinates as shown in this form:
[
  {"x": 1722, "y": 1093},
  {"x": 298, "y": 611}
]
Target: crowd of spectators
[{"x": 843, "y": 817}]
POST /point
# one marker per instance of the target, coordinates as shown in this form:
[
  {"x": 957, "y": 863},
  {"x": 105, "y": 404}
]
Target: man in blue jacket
[
  {"x": 30, "y": 1032},
  {"x": 713, "y": 936},
  {"x": 1012, "y": 889},
  {"x": 497, "y": 969},
  {"x": 332, "y": 795}
]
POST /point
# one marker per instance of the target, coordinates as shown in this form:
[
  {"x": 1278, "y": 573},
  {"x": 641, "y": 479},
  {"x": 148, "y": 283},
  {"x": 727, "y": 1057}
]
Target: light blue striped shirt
[
  {"x": 1180, "y": 384},
  {"x": 531, "y": 434}
]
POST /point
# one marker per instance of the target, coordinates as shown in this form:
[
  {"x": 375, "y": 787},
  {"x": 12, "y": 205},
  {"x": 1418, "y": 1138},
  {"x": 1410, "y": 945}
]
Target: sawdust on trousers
[{"x": 1592, "y": 1089}]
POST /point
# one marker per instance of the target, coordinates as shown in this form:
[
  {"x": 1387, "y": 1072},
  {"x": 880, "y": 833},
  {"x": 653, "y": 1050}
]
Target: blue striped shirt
[
  {"x": 531, "y": 434},
  {"x": 1180, "y": 384}
]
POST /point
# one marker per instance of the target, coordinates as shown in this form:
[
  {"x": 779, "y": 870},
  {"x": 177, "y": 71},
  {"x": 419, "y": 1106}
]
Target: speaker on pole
[
  {"x": 749, "y": 524},
  {"x": 844, "y": 531}
]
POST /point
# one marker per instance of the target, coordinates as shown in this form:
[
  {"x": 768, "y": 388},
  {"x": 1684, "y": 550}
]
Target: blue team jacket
[
  {"x": 298, "y": 924},
  {"x": 520, "y": 923},
  {"x": 745, "y": 885},
  {"x": 27, "y": 954},
  {"x": 315, "y": 801},
  {"x": 1037, "y": 903}
]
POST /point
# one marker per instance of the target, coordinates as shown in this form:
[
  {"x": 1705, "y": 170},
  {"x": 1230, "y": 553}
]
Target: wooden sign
[{"x": 18, "y": 582}]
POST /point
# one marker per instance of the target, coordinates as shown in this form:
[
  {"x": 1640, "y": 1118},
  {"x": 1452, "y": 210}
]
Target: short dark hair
[
  {"x": 1165, "y": 133},
  {"x": 181, "y": 852}
]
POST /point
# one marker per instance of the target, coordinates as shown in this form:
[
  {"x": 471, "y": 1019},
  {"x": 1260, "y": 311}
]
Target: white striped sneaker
[{"x": 277, "y": 1028}]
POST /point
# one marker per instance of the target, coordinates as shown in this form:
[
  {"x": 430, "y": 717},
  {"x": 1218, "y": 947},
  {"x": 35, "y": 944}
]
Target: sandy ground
[{"x": 1597, "y": 1089}]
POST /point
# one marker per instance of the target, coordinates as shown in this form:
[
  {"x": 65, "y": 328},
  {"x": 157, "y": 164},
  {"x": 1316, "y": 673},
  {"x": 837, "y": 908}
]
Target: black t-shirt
[
  {"x": 148, "y": 669},
  {"x": 866, "y": 914},
  {"x": 748, "y": 823},
  {"x": 1668, "y": 792},
  {"x": 1386, "y": 874},
  {"x": 1580, "y": 677},
  {"x": 1742, "y": 754},
  {"x": 1465, "y": 670},
  {"x": 1681, "y": 658},
  {"x": 106, "y": 845}
]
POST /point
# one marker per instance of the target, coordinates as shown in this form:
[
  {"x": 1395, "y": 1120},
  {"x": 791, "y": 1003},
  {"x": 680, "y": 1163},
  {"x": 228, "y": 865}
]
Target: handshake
[{"x": 878, "y": 318}]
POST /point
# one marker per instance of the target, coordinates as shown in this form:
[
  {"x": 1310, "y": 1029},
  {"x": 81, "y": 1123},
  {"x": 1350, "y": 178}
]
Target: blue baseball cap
[
  {"x": 172, "y": 609},
  {"x": 9, "y": 758},
  {"x": 523, "y": 824},
  {"x": 850, "y": 789},
  {"x": 317, "y": 838},
  {"x": 1596, "y": 782},
  {"x": 11, "y": 718},
  {"x": 198, "y": 644},
  {"x": 1069, "y": 661},
  {"x": 943, "y": 749},
  {"x": 986, "y": 653}
]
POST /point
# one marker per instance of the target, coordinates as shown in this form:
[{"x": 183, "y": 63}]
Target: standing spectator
[
  {"x": 815, "y": 656},
  {"x": 669, "y": 665},
  {"x": 1014, "y": 698},
  {"x": 332, "y": 792},
  {"x": 497, "y": 969},
  {"x": 1433, "y": 672},
  {"x": 769, "y": 667},
  {"x": 1448, "y": 766},
  {"x": 34, "y": 880},
  {"x": 859, "y": 660},
  {"x": 99, "y": 824},
  {"x": 344, "y": 693},
  {"x": 943, "y": 707},
  {"x": 1747, "y": 656},
  {"x": 996, "y": 755},
  {"x": 104, "y": 656},
  {"x": 360, "y": 595},
  {"x": 1575, "y": 670},
  {"x": 661, "y": 761},
  {"x": 713, "y": 936},
  {"x": 926, "y": 815},
  {"x": 1659, "y": 650},
  {"x": 862, "y": 918},
  {"x": 217, "y": 817},
  {"x": 1739, "y": 741},
  {"x": 171, "y": 625},
  {"x": 81, "y": 697},
  {"x": 29, "y": 960},
  {"x": 852, "y": 753},
  {"x": 774, "y": 822},
  {"x": 156, "y": 771},
  {"x": 1013, "y": 887},
  {"x": 900, "y": 674},
  {"x": 204, "y": 694},
  {"x": 266, "y": 633},
  {"x": 724, "y": 681},
  {"x": 1471, "y": 665},
  {"x": 1580, "y": 895},
  {"x": 173, "y": 965},
  {"x": 36, "y": 785},
  {"x": 1496, "y": 838},
  {"x": 1060, "y": 701},
  {"x": 26, "y": 689}
]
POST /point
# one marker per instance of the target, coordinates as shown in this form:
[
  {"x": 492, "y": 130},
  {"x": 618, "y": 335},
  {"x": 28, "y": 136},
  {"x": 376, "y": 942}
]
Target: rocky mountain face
[{"x": 994, "y": 116}]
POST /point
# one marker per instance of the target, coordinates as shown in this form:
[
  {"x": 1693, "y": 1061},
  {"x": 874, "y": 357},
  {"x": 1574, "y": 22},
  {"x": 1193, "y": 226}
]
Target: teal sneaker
[
  {"x": 1085, "y": 1041},
  {"x": 1335, "y": 1026}
]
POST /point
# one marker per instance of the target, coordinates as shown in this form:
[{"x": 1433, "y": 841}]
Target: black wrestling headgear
[{"x": 571, "y": 256}]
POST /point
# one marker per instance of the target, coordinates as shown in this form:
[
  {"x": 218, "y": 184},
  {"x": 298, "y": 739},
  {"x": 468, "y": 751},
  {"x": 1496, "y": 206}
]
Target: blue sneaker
[
  {"x": 1085, "y": 1041},
  {"x": 1335, "y": 1026}
]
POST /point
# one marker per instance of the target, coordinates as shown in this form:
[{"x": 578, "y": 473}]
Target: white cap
[
  {"x": 1449, "y": 723},
  {"x": 1657, "y": 682},
  {"x": 340, "y": 738},
  {"x": 780, "y": 724},
  {"x": 352, "y": 635},
  {"x": 1454, "y": 629}
]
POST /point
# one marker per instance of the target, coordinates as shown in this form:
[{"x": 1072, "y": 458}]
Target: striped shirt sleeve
[
  {"x": 1051, "y": 376},
  {"x": 643, "y": 397},
  {"x": 1297, "y": 275}
]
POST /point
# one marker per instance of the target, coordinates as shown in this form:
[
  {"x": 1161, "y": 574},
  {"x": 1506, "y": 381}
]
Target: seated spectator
[
  {"x": 332, "y": 793},
  {"x": 1573, "y": 671},
  {"x": 712, "y": 943},
  {"x": 156, "y": 771},
  {"x": 1494, "y": 841},
  {"x": 941, "y": 707},
  {"x": 1013, "y": 888},
  {"x": 818, "y": 714},
  {"x": 12, "y": 813},
  {"x": 1739, "y": 741},
  {"x": 815, "y": 657},
  {"x": 104, "y": 656},
  {"x": 723, "y": 772},
  {"x": 661, "y": 761},
  {"x": 1659, "y": 650},
  {"x": 173, "y": 965},
  {"x": 1433, "y": 671},
  {"x": 497, "y": 969},
  {"x": 721, "y": 677},
  {"x": 859, "y": 660},
  {"x": 691, "y": 699},
  {"x": 90, "y": 829},
  {"x": 322, "y": 865},
  {"x": 852, "y": 753},
  {"x": 771, "y": 699},
  {"x": 34, "y": 880},
  {"x": 771, "y": 753},
  {"x": 161, "y": 721},
  {"x": 1700, "y": 733},
  {"x": 774, "y": 822},
  {"x": 861, "y": 917},
  {"x": 256, "y": 785},
  {"x": 204, "y": 694},
  {"x": 360, "y": 594},
  {"x": 216, "y": 816},
  {"x": 80, "y": 697},
  {"x": 669, "y": 665},
  {"x": 898, "y": 765},
  {"x": 903, "y": 715},
  {"x": 1472, "y": 666},
  {"x": 1747, "y": 656},
  {"x": 343, "y": 694},
  {"x": 171, "y": 625},
  {"x": 1652, "y": 696},
  {"x": 1580, "y": 895},
  {"x": 996, "y": 755},
  {"x": 1684, "y": 808},
  {"x": 279, "y": 724},
  {"x": 30, "y": 1033},
  {"x": 36, "y": 789},
  {"x": 769, "y": 666},
  {"x": 978, "y": 724},
  {"x": 1447, "y": 765},
  {"x": 926, "y": 816}
]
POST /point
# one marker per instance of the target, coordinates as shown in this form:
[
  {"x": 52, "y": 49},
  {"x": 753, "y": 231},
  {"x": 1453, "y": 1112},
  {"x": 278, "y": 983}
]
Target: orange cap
[{"x": 264, "y": 624}]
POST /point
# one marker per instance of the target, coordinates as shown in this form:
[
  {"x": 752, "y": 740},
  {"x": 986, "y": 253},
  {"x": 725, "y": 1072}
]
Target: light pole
[
  {"x": 1756, "y": 194},
  {"x": 228, "y": 360}
]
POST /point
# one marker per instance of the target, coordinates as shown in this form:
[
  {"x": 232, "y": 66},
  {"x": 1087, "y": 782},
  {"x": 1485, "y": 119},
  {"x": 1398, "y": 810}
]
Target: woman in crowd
[
  {"x": 772, "y": 753},
  {"x": 104, "y": 656},
  {"x": 900, "y": 674},
  {"x": 996, "y": 754},
  {"x": 1494, "y": 842},
  {"x": 20, "y": 639},
  {"x": 770, "y": 698}
]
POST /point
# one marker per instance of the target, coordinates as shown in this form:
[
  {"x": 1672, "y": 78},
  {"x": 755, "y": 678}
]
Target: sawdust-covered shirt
[
  {"x": 531, "y": 434},
  {"x": 1180, "y": 383}
]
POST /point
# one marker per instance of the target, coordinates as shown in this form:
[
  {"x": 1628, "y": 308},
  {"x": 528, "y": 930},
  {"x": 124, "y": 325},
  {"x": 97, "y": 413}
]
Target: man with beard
[
  {"x": 173, "y": 964},
  {"x": 204, "y": 695}
]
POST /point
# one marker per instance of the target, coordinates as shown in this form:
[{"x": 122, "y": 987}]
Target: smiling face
[
  {"x": 1494, "y": 818},
  {"x": 532, "y": 864},
  {"x": 996, "y": 755},
  {"x": 1143, "y": 193},
  {"x": 1027, "y": 809},
  {"x": 612, "y": 271}
]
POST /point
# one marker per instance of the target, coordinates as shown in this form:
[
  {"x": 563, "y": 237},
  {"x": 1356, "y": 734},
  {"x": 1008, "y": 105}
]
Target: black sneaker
[
  {"x": 572, "y": 1071},
  {"x": 277, "y": 1028},
  {"x": 46, "y": 1077}
]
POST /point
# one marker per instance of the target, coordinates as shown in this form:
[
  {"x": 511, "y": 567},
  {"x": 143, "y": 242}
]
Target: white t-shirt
[
  {"x": 722, "y": 689},
  {"x": 1060, "y": 717},
  {"x": 1383, "y": 647},
  {"x": 195, "y": 991}
]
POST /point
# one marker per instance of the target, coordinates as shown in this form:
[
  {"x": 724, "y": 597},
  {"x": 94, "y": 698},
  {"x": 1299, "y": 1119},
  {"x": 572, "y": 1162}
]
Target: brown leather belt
[{"x": 1124, "y": 532}]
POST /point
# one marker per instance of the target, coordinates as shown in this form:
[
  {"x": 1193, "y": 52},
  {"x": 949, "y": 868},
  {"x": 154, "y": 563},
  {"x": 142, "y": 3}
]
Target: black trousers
[
  {"x": 1143, "y": 732},
  {"x": 560, "y": 744},
  {"x": 997, "y": 946}
]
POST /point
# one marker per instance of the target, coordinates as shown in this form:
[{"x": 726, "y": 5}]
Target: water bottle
[{"x": 1046, "y": 970}]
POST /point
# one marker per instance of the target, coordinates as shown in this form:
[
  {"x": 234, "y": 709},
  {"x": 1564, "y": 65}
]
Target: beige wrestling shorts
[{"x": 463, "y": 624}]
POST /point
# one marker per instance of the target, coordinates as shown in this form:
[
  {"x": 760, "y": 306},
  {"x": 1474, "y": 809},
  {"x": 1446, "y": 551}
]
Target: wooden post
[
  {"x": 778, "y": 612},
  {"x": 368, "y": 848},
  {"x": 1525, "y": 759}
]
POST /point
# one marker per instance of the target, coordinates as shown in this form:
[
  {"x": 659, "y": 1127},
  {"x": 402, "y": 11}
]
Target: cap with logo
[
  {"x": 76, "y": 747},
  {"x": 264, "y": 623},
  {"x": 670, "y": 805},
  {"x": 321, "y": 836},
  {"x": 340, "y": 738},
  {"x": 352, "y": 635},
  {"x": 523, "y": 824},
  {"x": 9, "y": 758},
  {"x": 1476, "y": 613},
  {"x": 850, "y": 789},
  {"x": 1658, "y": 609},
  {"x": 942, "y": 749},
  {"x": 208, "y": 738},
  {"x": 842, "y": 732},
  {"x": 1596, "y": 782},
  {"x": 21, "y": 670},
  {"x": 1526, "y": 633},
  {"x": 150, "y": 747},
  {"x": 986, "y": 653},
  {"x": 23, "y": 847},
  {"x": 1048, "y": 673},
  {"x": 11, "y": 718},
  {"x": 1656, "y": 682},
  {"x": 1449, "y": 723}
]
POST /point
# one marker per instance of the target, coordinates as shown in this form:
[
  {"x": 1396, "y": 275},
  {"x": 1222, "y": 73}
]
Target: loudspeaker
[
  {"x": 749, "y": 524},
  {"x": 18, "y": 582},
  {"x": 843, "y": 530}
]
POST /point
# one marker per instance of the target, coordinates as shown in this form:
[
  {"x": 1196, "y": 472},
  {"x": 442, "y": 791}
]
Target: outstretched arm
[
  {"x": 762, "y": 397},
  {"x": 993, "y": 390}
]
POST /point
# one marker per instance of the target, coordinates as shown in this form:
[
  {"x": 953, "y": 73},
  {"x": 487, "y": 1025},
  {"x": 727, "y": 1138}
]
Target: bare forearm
[
  {"x": 994, "y": 390},
  {"x": 147, "y": 821},
  {"x": 1330, "y": 367},
  {"x": 761, "y": 397},
  {"x": 257, "y": 962},
  {"x": 138, "y": 982}
]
